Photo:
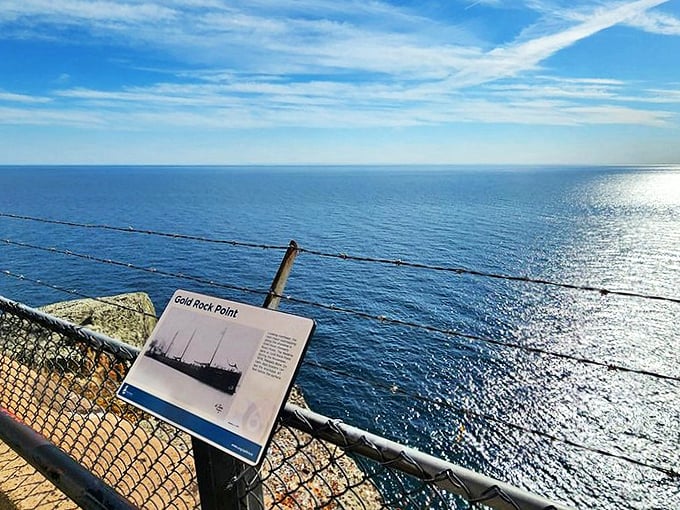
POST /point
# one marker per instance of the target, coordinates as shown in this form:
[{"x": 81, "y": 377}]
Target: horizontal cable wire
[
  {"x": 395, "y": 389},
  {"x": 485, "y": 274},
  {"x": 358, "y": 258},
  {"x": 435, "y": 473},
  {"x": 74, "y": 292},
  {"x": 363, "y": 315},
  {"x": 128, "y": 265},
  {"x": 486, "y": 417},
  {"x": 503, "y": 343},
  {"x": 133, "y": 230}
]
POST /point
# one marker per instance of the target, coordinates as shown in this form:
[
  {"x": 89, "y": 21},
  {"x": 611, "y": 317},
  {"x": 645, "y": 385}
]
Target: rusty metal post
[
  {"x": 225, "y": 483},
  {"x": 279, "y": 283}
]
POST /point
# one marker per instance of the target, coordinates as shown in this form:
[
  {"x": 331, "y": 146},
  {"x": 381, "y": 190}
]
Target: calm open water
[{"x": 617, "y": 228}]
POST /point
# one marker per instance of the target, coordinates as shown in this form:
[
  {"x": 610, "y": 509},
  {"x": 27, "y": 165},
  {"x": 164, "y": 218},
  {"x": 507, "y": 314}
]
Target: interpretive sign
[{"x": 219, "y": 370}]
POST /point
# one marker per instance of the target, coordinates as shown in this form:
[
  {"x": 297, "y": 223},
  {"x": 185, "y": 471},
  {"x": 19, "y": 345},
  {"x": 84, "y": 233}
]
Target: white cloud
[
  {"x": 667, "y": 96},
  {"x": 557, "y": 89},
  {"x": 63, "y": 78},
  {"x": 244, "y": 103},
  {"x": 656, "y": 23},
  {"x": 310, "y": 36},
  {"x": 653, "y": 21},
  {"x": 22, "y": 98},
  {"x": 325, "y": 37},
  {"x": 51, "y": 116},
  {"x": 475, "y": 3},
  {"x": 526, "y": 55},
  {"x": 80, "y": 11},
  {"x": 377, "y": 65}
]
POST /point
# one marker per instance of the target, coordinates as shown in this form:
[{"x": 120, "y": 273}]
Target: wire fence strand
[
  {"x": 498, "y": 276},
  {"x": 136, "y": 267},
  {"x": 357, "y": 258},
  {"x": 395, "y": 389},
  {"x": 150, "y": 463},
  {"x": 392, "y": 388},
  {"x": 357, "y": 313},
  {"x": 383, "y": 319},
  {"x": 76, "y": 293},
  {"x": 133, "y": 230},
  {"x": 487, "y": 340}
]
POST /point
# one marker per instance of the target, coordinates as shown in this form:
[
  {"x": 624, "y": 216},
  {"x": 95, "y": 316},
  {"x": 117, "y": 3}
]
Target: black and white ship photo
[{"x": 208, "y": 350}]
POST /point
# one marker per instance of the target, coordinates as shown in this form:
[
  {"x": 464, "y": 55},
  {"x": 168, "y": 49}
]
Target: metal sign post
[{"x": 225, "y": 483}]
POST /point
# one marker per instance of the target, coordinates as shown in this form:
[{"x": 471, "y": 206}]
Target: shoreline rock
[{"x": 128, "y": 317}]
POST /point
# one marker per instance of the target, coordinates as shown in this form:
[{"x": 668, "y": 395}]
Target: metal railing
[{"x": 60, "y": 380}]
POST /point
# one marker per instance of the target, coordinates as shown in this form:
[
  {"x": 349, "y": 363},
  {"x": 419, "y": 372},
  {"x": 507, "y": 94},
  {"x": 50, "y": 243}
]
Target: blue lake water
[{"x": 617, "y": 228}]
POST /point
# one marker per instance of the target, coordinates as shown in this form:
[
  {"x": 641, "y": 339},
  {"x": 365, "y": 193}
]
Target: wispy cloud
[
  {"x": 309, "y": 36},
  {"x": 547, "y": 87},
  {"x": 475, "y": 3},
  {"x": 667, "y": 96},
  {"x": 241, "y": 103},
  {"x": 50, "y": 116},
  {"x": 653, "y": 21},
  {"x": 325, "y": 63},
  {"x": 63, "y": 78},
  {"x": 108, "y": 13},
  {"x": 656, "y": 23},
  {"x": 526, "y": 55},
  {"x": 22, "y": 98},
  {"x": 328, "y": 37}
]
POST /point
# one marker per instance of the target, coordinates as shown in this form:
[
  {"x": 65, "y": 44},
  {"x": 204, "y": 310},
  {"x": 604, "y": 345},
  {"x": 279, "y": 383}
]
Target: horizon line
[{"x": 328, "y": 165}]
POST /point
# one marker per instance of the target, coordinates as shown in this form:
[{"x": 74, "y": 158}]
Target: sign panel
[{"x": 220, "y": 370}]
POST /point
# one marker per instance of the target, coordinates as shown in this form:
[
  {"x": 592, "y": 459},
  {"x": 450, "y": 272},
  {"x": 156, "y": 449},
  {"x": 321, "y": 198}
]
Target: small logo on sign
[{"x": 251, "y": 418}]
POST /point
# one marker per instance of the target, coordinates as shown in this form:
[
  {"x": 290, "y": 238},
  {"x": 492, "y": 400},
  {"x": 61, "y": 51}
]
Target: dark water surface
[{"x": 617, "y": 228}]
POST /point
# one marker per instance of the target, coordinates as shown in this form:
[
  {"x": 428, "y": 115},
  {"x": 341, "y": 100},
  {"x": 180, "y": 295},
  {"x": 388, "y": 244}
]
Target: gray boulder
[{"x": 127, "y": 317}]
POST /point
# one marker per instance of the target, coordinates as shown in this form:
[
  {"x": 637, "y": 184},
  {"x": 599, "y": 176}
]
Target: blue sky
[{"x": 339, "y": 82}]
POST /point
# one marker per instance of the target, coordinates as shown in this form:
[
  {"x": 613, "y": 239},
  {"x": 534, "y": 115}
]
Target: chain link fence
[{"x": 61, "y": 380}]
